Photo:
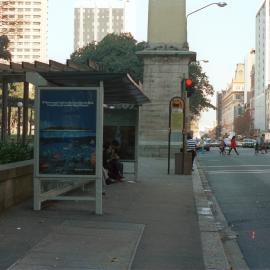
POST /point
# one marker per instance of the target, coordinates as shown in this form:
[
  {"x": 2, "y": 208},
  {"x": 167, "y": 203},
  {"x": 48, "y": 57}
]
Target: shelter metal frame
[{"x": 116, "y": 88}]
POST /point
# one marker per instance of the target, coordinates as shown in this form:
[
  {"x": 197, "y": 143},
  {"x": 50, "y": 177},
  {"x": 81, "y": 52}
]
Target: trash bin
[{"x": 187, "y": 163}]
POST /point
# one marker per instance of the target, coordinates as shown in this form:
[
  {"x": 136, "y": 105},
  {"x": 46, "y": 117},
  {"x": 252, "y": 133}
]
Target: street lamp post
[
  {"x": 219, "y": 4},
  {"x": 19, "y": 105}
]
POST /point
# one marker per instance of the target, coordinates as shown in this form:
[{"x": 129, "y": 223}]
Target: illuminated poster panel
[{"x": 67, "y": 131}]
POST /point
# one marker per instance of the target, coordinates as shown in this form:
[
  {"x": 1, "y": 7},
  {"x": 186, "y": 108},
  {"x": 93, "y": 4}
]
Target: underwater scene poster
[{"x": 67, "y": 132}]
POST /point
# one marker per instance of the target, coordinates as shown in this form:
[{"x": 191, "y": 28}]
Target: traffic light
[{"x": 187, "y": 85}]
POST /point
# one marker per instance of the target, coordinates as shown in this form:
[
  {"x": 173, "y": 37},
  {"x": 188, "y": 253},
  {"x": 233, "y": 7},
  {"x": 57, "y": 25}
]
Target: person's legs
[
  {"x": 115, "y": 171},
  {"x": 106, "y": 179},
  {"x": 236, "y": 151}
]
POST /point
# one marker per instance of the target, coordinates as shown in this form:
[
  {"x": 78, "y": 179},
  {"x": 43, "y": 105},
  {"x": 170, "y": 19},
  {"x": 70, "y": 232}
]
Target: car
[
  {"x": 215, "y": 143},
  {"x": 206, "y": 146},
  {"x": 249, "y": 143},
  {"x": 239, "y": 143}
]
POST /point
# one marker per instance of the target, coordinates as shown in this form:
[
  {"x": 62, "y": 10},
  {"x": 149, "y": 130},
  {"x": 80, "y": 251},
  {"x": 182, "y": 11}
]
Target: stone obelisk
[{"x": 166, "y": 61}]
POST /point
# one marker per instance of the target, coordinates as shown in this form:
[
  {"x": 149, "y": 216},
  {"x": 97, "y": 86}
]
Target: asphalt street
[{"x": 241, "y": 185}]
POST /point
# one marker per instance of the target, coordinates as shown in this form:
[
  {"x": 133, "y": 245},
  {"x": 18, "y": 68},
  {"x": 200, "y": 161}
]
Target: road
[{"x": 241, "y": 185}]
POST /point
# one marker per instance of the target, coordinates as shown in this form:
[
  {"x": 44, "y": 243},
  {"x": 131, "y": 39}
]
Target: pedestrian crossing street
[{"x": 246, "y": 163}]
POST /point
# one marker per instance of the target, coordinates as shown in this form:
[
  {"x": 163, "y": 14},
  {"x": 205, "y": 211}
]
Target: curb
[
  {"x": 219, "y": 245},
  {"x": 213, "y": 252}
]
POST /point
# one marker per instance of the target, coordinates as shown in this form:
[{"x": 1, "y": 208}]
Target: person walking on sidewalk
[
  {"x": 191, "y": 147},
  {"x": 263, "y": 145},
  {"x": 257, "y": 145},
  {"x": 233, "y": 146},
  {"x": 222, "y": 147}
]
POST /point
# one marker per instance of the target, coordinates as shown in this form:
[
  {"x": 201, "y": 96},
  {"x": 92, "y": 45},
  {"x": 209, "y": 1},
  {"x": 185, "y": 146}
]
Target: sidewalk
[{"x": 149, "y": 225}]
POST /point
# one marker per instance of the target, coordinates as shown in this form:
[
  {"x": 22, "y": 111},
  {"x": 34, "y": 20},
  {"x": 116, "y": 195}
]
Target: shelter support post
[
  {"x": 4, "y": 110},
  {"x": 136, "y": 168},
  {"x": 99, "y": 143},
  {"x": 37, "y": 190},
  {"x": 25, "y": 111}
]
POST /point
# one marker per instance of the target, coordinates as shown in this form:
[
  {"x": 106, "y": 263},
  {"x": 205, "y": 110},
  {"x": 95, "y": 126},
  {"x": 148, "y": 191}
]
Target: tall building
[
  {"x": 94, "y": 19},
  {"x": 249, "y": 86},
  {"x": 233, "y": 100},
  {"x": 25, "y": 22},
  {"x": 219, "y": 114},
  {"x": 262, "y": 66}
]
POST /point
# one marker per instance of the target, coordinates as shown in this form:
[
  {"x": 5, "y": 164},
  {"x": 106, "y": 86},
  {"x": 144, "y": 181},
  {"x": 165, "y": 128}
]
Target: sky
[{"x": 223, "y": 36}]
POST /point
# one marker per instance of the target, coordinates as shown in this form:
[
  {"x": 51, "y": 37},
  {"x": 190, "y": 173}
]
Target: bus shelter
[{"x": 72, "y": 105}]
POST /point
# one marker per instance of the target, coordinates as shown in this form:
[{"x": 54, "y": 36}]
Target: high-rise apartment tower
[
  {"x": 25, "y": 22},
  {"x": 94, "y": 19}
]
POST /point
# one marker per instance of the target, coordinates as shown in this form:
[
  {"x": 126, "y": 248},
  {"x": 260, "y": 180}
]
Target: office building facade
[
  {"x": 262, "y": 67},
  {"x": 25, "y": 22},
  {"x": 94, "y": 19},
  {"x": 233, "y": 100}
]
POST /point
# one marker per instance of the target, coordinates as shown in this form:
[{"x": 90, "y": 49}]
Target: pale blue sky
[{"x": 223, "y": 36}]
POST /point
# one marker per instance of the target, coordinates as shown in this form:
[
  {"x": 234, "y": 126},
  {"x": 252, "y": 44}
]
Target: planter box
[{"x": 16, "y": 183}]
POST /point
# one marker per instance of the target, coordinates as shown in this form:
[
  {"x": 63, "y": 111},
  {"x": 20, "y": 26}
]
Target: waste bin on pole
[{"x": 187, "y": 163}]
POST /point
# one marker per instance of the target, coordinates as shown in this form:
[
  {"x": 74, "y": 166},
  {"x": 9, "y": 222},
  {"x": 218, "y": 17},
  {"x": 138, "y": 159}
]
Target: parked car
[
  {"x": 215, "y": 143},
  {"x": 239, "y": 143},
  {"x": 206, "y": 146},
  {"x": 249, "y": 143}
]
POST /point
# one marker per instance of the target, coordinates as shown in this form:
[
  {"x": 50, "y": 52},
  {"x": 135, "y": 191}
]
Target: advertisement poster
[{"x": 67, "y": 132}]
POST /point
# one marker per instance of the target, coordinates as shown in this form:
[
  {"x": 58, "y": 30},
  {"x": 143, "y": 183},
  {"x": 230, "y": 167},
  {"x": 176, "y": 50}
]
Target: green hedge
[{"x": 12, "y": 152}]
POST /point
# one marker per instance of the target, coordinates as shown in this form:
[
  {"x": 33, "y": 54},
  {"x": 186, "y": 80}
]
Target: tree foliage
[
  {"x": 115, "y": 53},
  {"x": 4, "y": 52},
  {"x": 242, "y": 124},
  {"x": 202, "y": 90}
]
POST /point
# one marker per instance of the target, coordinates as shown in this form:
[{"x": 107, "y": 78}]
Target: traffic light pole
[{"x": 185, "y": 130}]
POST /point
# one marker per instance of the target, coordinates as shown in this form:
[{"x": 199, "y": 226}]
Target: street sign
[{"x": 177, "y": 114}]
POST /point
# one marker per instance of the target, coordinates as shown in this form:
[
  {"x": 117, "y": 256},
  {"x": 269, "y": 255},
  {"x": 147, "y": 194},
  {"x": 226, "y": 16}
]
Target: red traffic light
[{"x": 188, "y": 82}]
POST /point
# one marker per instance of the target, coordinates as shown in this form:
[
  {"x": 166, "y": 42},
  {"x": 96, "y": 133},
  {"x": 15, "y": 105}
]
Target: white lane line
[
  {"x": 224, "y": 166},
  {"x": 238, "y": 172}
]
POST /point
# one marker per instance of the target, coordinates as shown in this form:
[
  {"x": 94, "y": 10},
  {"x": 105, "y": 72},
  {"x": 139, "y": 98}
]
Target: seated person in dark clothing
[
  {"x": 116, "y": 158},
  {"x": 107, "y": 152},
  {"x": 111, "y": 161}
]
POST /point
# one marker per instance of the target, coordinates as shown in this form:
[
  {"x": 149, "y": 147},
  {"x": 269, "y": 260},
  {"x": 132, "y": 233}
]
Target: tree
[
  {"x": 4, "y": 52},
  {"x": 115, "y": 53},
  {"x": 242, "y": 124},
  {"x": 201, "y": 88}
]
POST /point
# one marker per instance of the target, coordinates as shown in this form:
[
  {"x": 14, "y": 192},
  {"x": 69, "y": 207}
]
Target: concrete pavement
[{"x": 160, "y": 222}]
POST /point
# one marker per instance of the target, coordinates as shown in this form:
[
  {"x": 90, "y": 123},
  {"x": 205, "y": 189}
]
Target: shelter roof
[{"x": 118, "y": 87}]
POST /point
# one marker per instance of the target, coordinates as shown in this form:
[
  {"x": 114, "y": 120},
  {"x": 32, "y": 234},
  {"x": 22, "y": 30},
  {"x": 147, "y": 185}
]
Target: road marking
[
  {"x": 239, "y": 172},
  {"x": 224, "y": 166}
]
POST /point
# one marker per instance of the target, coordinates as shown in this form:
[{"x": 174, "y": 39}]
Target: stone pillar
[
  {"x": 163, "y": 72},
  {"x": 167, "y": 23},
  {"x": 166, "y": 61}
]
